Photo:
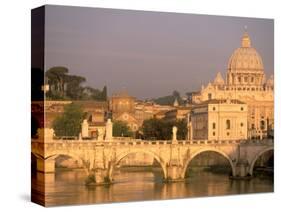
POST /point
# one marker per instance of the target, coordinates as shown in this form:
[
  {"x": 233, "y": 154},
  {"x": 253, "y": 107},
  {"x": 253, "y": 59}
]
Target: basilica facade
[{"x": 245, "y": 81}]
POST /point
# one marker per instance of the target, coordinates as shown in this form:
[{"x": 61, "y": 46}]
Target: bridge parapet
[{"x": 118, "y": 142}]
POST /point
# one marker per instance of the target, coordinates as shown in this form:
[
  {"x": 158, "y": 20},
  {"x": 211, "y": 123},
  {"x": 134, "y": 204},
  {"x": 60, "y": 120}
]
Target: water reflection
[{"x": 67, "y": 187}]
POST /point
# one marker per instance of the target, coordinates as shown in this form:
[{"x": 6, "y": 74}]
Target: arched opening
[
  {"x": 209, "y": 163},
  {"x": 68, "y": 162},
  {"x": 69, "y": 168},
  {"x": 139, "y": 166},
  {"x": 263, "y": 164}
]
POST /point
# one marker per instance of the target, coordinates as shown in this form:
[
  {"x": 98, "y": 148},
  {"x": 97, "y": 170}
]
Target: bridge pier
[
  {"x": 242, "y": 170},
  {"x": 45, "y": 166},
  {"x": 98, "y": 176},
  {"x": 174, "y": 173}
]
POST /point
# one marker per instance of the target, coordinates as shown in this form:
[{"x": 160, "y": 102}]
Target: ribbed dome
[{"x": 245, "y": 58}]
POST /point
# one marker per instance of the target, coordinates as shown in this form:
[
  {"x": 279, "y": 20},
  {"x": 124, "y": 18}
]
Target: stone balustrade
[{"x": 129, "y": 141}]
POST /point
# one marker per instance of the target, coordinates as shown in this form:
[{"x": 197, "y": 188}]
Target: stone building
[
  {"x": 127, "y": 109},
  {"x": 121, "y": 103},
  {"x": 149, "y": 110},
  {"x": 245, "y": 81},
  {"x": 122, "y": 107},
  {"x": 143, "y": 111},
  {"x": 178, "y": 113},
  {"x": 160, "y": 115},
  {"x": 219, "y": 120}
]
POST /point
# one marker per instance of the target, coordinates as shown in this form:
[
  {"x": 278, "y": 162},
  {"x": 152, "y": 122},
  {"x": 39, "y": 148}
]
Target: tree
[
  {"x": 74, "y": 89},
  {"x": 176, "y": 94},
  {"x": 153, "y": 129},
  {"x": 94, "y": 94},
  {"x": 104, "y": 93},
  {"x": 161, "y": 130},
  {"x": 182, "y": 129},
  {"x": 69, "y": 123},
  {"x": 56, "y": 77},
  {"x": 64, "y": 86},
  {"x": 121, "y": 129}
]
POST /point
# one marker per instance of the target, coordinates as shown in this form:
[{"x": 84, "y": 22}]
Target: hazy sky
[{"x": 150, "y": 54}]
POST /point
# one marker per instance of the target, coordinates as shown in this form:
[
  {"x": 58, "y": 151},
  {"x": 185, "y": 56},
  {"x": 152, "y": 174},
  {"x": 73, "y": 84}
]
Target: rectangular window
[
  {"x": 239, "y": 79},
  {"x": 262, "y": 125},
  {"x": 214, "y": 125},
  {"x": 228, "y": 124}
]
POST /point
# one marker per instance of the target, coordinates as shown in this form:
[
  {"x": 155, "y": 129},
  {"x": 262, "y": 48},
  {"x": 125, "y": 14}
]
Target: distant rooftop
[
  {"x": 123, "y": 94},
  {"x": 222, "y": 101}
]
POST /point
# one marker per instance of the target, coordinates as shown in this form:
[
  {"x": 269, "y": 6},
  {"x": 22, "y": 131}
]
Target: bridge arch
[
  {"x": 209, "y": 150},
  {"x": 126, "y": 153},
  {"x": 252, "y": 165},
  {"x": 71, "y": 155}
]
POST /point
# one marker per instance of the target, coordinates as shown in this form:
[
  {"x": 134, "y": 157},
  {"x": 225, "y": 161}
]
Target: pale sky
[{"x": 150, "y": 54}]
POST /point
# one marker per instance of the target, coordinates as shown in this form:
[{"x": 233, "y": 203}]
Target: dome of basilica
[{"x": 245, "y": 58}]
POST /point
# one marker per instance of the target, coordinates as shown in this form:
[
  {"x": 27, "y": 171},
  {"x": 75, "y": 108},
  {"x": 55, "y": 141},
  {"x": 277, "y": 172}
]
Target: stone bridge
[{"x": 100, "y": 158}]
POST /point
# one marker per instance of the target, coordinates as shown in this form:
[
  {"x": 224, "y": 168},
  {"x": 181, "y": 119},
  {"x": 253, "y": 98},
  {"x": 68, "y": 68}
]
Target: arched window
[
  {"x": 214, "y": 125},
  {"x": 253, "y": 126},
  {"x": 262, "y": 125},
  {"x": 227, "y": 124}
]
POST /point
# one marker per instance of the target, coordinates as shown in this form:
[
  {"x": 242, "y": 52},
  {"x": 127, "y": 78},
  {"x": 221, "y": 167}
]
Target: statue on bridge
[
  {"x": 85, "y": 129},
  {"x": 175, "y": 130},
  {"x": 108, "y": 130}
]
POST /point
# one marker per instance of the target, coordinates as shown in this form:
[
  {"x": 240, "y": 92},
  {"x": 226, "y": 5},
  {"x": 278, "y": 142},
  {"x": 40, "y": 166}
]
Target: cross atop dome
[{"x": 246, "y": 41}]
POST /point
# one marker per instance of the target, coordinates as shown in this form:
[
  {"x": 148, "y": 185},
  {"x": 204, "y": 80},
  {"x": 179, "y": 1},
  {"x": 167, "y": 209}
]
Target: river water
[{"x": 67, "y": 187}]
